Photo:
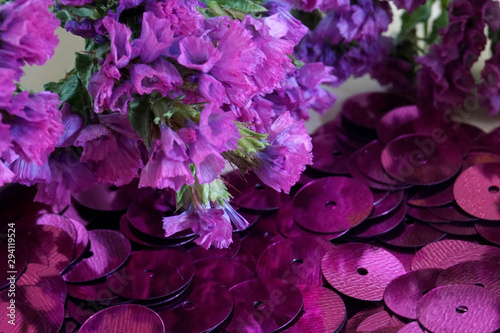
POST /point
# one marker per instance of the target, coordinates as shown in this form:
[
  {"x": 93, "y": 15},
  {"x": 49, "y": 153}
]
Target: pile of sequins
[{"x": 394, "y": 228}]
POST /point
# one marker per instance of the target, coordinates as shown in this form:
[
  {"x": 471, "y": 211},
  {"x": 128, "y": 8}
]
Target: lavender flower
[
  {"x": 27, "y": 30},
  {"x": 286, "y": 157}
]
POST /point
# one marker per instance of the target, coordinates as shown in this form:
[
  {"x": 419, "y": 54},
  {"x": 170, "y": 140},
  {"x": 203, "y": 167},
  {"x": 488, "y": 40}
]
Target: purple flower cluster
[
  {"x": 30, "y": 123},
  {"x": 199, "y": 83},
  {"x": 349, "y": 38},
  {"x": 445, "y": 76}
]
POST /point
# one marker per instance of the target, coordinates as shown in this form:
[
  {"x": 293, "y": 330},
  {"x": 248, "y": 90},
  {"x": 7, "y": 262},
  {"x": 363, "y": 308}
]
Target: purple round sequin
[
  {"x": 225, "y": 271},
  {"x": 411, "y": 233},
  {"x": 324, "y": 311},
  {"x": 489, "y": 230},
  {"x": 108, "y": 250},
  {"x": 124, "y": 318},
  {"x": 366, "y": 109},
  {"x": 448, "y": 252},
  {"x": 459, "y": 308},
  {"x": 249, "y": 192},
  {"x": 207, "y": 306},
  {"x": 421, "y": 160},
  {"x": 425, "y": 215},
  {"x": 456, "y": 228},
  {"x": 397, "y": 122},
  {"x": 387, "y": 205},
  {"x": 264, "y": 305},
  {"x": 46, "y": 277},
  {"x": 26, "y": 319},
  {"x": 48, "y": 304},
  {"x": 294, "y": 260},
  {"x": 106, "y": 197},
  {"x": 484, "y": 274},
  {"x": 479, "y": 157},
  {"x": 361, "y": 271},
  {"x": 330, "y": 156},
  {"x": 452, "y": 213},
  {"x": 432, "y": 196},
  {"x": 153, "y": 274},
  {"x": 379, "y": 225},
  {"x": 332, "y": 204},
  {"x": 403, "y": 293},
  {"x": 54, "y": 242},
  {"x": 16, "y": 263},
  {"x": 369, "y": 162},
  {"x": 477, "y": 191}
]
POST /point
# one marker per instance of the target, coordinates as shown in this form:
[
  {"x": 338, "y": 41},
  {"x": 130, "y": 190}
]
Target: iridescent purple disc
[
  {"x": 332, "y": 204},
  {"x": 249, "y": 192},
  {"x": 206, "y": 307},
  {"x": 225, "y": 271},
  {"x": 397, "y": 122},
  {"x": 96, "y": 292},
  {"x": 379, "y": 225},
  {"x": 153, "y": 274},
  {"x": 356, "y": 173},
  {"x": 411, "y": 233},
  {"x": 330, "y": 156},
  {"x": 324, "y": 311},
  {"x": 480, "y": 273},
  {"x": 145, "y": 215},
  {"x": 418, "y": 159},
  {"x": 81, "y": 311},
  {"x": 477, "y": 157},
  {"x": 374, "y": 322},
  {"x": 25, "y": 318},
  {"x": 361, "y": 271},
  {"x": 433, "y": 255},
  {"x": 124, "y": 318},
  {"x": 449, "y": 252},
  {"x": 58, "y": 221},
  {"x": 289, "y": 228},
  {"x": 369, "y": 162},
  {"x": 247, "y": 259},
  {"x": 352, "y": 323},
  {"x": 403, "y": 293},
  {"x": 35, "y": 253},
  {"x": 477, "y": 191},
  {"x": 13, "y": 264},
  {"x": 459, "y": 308},
  {"x": 263, "y": 234},
  {"x": 82, "y": 238},
  {"x": 388, "y": 204},
  {"x": 489, "y": 230},
  {"x": 452, "y": 213},
  {"x": 379, "y": 195},
  {"x": 456, "y": 228},
  {"x": 54, "y": 242},
  {"x": 425, "y": 215},
  {"x": 49, "y": 305},
  {"x": 264, "y": 305},
  {"x": 413, "y": 327},
  {"x": 46, "y": 277},
  {"x": 109, "y": 249},
  {"x": 106, "y": 197},
  {"x": 366, "y": 109},
  {"x": 294, "y": 260},
  {"x": 432, "y": 196},
  {"x": 127, "y": 232}
]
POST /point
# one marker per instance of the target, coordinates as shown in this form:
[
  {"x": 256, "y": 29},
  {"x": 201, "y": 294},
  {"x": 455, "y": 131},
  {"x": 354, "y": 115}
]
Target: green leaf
[
  {"x": 84, "y": 67},
  {"x": 440, "y": 22},
  {"x": 86, "y": 12},
  {"x": 63, "y": 16},
  {"x": 141, "y": 117},
  {"x": 245, "y": 6},
  {"x": 69, "y": 88},
  {"x": 421, "y": 14}
]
